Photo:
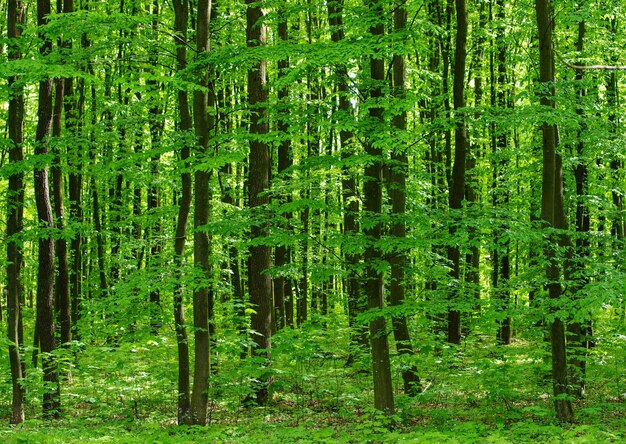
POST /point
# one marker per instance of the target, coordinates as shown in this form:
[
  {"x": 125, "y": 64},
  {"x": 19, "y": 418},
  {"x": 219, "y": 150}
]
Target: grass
[{"x": 476, "y": 394}]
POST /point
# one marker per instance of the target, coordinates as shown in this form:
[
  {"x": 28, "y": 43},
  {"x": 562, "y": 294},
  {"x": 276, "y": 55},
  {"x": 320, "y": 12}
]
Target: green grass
[{"x": 478, "y": 393}]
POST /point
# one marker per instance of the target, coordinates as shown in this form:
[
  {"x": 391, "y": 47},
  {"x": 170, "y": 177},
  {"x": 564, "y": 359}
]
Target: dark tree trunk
[
  {"x": 15, "y": 211},
  {"x": 61, "y": 287},
  {"x": 156, "y": 124},
  {"x": 45, "y": 273},
  {"x": 457, "y": 185},
  {"x": 74, "y": 109},
  {"x": 372, "y": 193},
  {"x": 551, "y": 185},
  {"x": 397, "y": 193},
  {"x": 259, "y": 282},
  {"x": 201, "y": 294},
  {"x": 283, "y": 253},
  {"x": 579, "y": 331},
  {"x": 181, "y": 11}
]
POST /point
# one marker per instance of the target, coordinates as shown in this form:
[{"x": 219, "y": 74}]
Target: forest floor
[{"x": 126, "y": 394}]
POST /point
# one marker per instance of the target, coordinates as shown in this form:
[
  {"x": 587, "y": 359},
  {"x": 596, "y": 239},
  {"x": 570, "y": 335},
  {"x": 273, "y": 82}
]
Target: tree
[
  {"x": 397, "y": 193},
  {"x": 457, "y": 185},
  {"x": 45, "y": 273},
  {"x": 551, "y": 208},
  {"x": 259, "y": 166},
  {"x": 181, "y": 12},
  {"x": 15, "y": 211},
  {"x": 372, "y": 194},
  {"x": 203, "y": 125}
]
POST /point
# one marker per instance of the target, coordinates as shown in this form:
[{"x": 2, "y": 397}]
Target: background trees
[{"x": 324, "y": 169}]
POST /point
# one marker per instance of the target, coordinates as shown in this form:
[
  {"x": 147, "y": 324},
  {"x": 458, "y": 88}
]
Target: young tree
[
  {"x": 181, "y": 14},
  {"x": 457, "y": 184},
  {"x": 15, "y": 210}
]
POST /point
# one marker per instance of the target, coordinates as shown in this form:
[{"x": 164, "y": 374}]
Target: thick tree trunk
[
  {"x": 551, "y": 185},
  {"x": 201, "y": 294},
  {"x": 259, "y": 282},
  {"x": 181, "y": 11},
  {"x": 372, "y": 193},
  {"x": 15, "y": 212},
  {"x": 457, "y": 185},
  {"x": 45, "y": 273}
]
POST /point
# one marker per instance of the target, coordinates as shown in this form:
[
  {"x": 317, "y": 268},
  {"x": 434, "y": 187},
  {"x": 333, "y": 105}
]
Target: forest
[{"x": 312, "y": 221}]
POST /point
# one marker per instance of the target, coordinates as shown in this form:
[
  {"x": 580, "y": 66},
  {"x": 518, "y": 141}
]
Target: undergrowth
[{"x": 478, "y": 393}]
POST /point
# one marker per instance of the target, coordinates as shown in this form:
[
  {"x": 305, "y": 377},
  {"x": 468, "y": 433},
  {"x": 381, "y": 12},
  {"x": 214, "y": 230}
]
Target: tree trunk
[
  {"x": 580, "y": 331},
  {"x": 457, "y": 185},
  {"x": 283, "y": 253},
  {"x": 397, "y": 193},
  {"x": 372, "y": 193},
  {"x": 61, "y": 287},
  {"x": 181, "y": 11},
  {"x": 259, "y": 282},
  {"x": 15, "y": 211},
  {"x": 501, "y": 253},
  {"x": 45, "y": 273},
  {"x": 201, "y": 294},
  {"x": 551, "y": 177}
]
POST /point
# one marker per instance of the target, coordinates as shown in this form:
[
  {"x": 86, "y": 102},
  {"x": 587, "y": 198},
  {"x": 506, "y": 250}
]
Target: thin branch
[{"x": 590, "y": 67}]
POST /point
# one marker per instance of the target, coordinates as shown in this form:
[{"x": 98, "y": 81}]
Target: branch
[{"x": 590, "y": 67}]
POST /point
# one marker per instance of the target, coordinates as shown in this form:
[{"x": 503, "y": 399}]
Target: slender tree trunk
[
  {"x": 259, "y": 282},
  {"x": 580, "y": 332},
  {"x": 283, "y": 253},
  {"x": 397, "y": 193},
  {"x": 372, "y": 192},
  {"x": 61, "y": 287},
  {"x": 156, "y": 125},
  {"x": 501, "y": 253},
  {"x": 181, "y": 11},
  {"x": 15, "y": 211},
  {"x": 45, "y": 273},
  {"x": 457, "y": 185},
  {"x": 550, "y": 187},
  {"x": 201, "y": 294}
]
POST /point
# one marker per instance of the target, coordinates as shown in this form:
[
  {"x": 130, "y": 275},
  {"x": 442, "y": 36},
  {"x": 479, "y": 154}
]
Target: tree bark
[
  {"x": 45, "y": 273},
  {"x": 61, "y": 287},
  {"x": 181, "y": 11},
  {"x": 397, "y": 193},
  {"x": 201, "y": 295},
  {"x": 15, "y": 211},
  {"x": 372, "y": 193},
  {"x": 551, "y": 177},
  {"x": 457, "y": 185},
  {"x": 259, "y": 282},
  {"x": 501, "y": 253},
  {"x": 284, "y": 307}
]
